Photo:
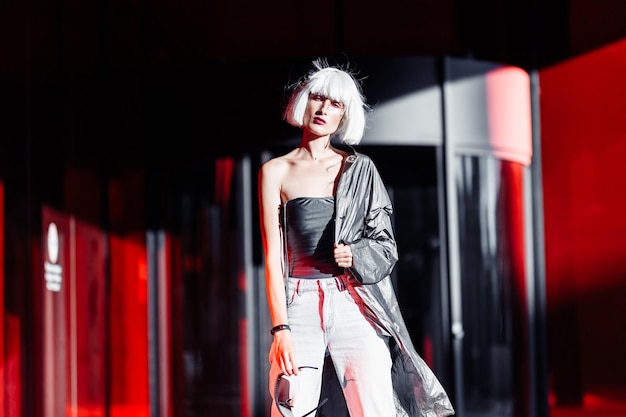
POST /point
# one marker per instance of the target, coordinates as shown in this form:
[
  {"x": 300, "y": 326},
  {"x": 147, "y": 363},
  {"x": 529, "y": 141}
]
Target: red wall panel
[
  {"x": 55, "y": 311},
  {"x": 2, "y": 334},
  {"x": 128, "y": 325},
  {"x": 88, "y": 322},
  {"x": 583, "y": 137}
]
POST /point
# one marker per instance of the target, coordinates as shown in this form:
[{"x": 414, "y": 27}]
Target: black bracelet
[{"x": 279, "y": 328}]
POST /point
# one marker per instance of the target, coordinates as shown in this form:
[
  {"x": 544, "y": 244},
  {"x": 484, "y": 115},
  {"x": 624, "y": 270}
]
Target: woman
[{"x": 329, "y": 250}]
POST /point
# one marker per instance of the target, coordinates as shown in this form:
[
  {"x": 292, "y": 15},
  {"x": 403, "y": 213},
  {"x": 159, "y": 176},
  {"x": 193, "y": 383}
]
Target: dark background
[
  {"x": 161, "y": 80},
  {"x": 91, "y": 89}
]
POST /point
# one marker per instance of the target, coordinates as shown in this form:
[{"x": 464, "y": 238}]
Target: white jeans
[{"x": 327, "y": 313}]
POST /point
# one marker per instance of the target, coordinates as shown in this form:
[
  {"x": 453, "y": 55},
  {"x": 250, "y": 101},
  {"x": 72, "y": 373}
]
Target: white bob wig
[{"x": 337, "y": 84}]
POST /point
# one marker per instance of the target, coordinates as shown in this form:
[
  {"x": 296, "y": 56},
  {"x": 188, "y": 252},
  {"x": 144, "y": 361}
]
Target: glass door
[{"x": 495, "y": 357}]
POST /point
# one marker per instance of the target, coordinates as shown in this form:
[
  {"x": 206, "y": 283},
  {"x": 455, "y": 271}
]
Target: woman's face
[{"x": 323, "y": 115}]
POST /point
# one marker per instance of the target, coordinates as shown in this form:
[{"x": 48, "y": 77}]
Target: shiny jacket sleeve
[{"x": 365, "y": 214}]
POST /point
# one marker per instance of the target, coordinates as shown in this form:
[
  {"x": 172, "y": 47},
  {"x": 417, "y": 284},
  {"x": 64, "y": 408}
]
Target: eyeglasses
[{"x": 283, "y": 390}]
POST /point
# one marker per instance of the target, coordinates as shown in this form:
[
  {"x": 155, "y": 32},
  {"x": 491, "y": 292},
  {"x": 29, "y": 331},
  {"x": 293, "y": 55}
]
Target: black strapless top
[{"x": 310, "y": 237}]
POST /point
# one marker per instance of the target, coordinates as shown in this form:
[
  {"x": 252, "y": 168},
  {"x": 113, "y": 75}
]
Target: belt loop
[{"x": 341, "y": 283}]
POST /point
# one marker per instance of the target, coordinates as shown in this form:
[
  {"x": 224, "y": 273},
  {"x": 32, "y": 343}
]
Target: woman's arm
[
  {"x": 270, "y": 176},
  {"x": 375, "y": 254},
  {"x": 374, "y": 251}
]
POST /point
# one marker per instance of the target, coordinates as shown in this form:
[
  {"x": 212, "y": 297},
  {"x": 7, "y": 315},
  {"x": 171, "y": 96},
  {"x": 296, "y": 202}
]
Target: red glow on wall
[
  {"x": 12, "y": 368},
  {"x": 428, "y": 352},
  {"x": 246, "y": 409},
  {"x": 508, "y": 106},
  {"x": 223, "y": 181},
  {"x": 2, "y": 357},
  {"x": 56, "y": 295},
  {"x": 167, "y": 282},
  {"x": 88, "y": 322},
  {"x": 128, "y": 327},
  {"x": 511, "y": 207},
  {"x": 10, "y": 342},
  {"x": 583, "y": 146}
]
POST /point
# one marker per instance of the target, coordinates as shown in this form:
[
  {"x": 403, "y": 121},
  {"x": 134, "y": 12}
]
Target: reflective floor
[{"x": 608, "y": 403}]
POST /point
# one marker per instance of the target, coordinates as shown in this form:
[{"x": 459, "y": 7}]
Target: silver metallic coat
[{"x": 363, "y": 221}]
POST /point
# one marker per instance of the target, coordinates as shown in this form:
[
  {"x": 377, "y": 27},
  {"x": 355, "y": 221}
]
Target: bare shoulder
[{"x": 275, "y": 167}]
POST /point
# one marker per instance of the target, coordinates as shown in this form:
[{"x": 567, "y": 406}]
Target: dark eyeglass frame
[{"x": 284, "y": 406}]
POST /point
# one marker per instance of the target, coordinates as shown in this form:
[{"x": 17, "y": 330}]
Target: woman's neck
[{"x": 317, "y": 147}]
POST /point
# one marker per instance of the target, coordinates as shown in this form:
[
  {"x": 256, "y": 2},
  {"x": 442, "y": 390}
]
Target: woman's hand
[
  {"x": 282, "y": 352},
  {"x": 343, "y": 255}
]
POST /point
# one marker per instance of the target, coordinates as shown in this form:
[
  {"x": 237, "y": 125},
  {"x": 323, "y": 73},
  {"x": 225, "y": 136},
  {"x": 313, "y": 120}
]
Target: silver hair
[{"x": 337, "y": 84}]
